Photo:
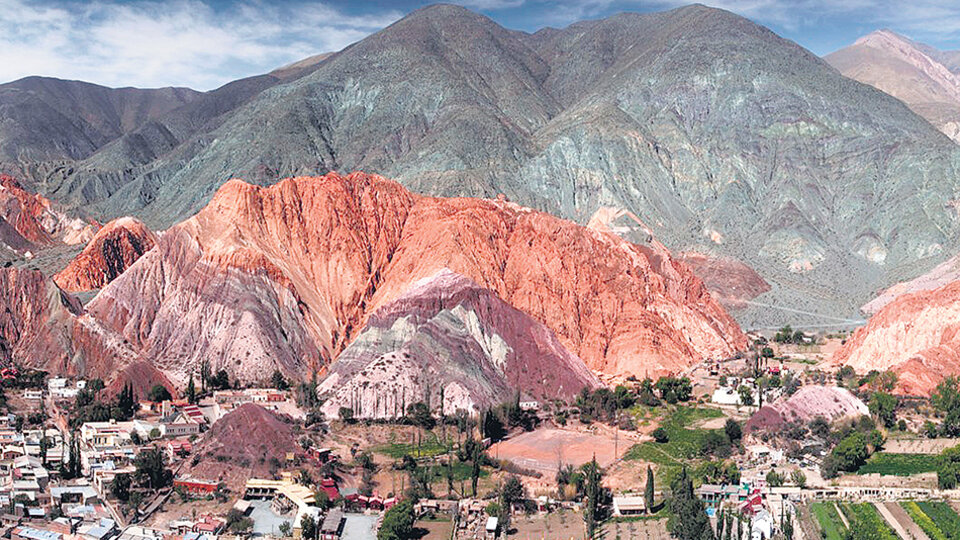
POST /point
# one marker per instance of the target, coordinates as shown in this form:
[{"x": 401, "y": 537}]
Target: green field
[
  {"x": 865, "y": 515},
  {"x": 684, "y": 443},
  {"x": 830, "y": 523},
  {"x": 899, "y": 464},
  {"x": 937, "y": 519}
]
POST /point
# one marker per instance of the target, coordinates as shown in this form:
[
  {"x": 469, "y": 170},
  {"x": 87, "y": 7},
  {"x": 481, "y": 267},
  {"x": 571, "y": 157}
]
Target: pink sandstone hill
[
  {"x": 29, "y": 221},
  {"x": 944, "y": 273},
  {"x": 450, "y": 342},
  {"x": 916, "y": 335},
  {"x": 111, "y": 251},
  {"x": 286, "y": 277},
  {"x": 809, "y": 402}
]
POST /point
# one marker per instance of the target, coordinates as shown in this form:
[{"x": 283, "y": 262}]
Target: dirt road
[{"x": 897, "y": 517}]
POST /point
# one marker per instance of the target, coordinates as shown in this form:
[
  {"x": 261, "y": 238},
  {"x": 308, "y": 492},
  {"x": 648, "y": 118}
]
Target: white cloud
[{"x": 180, "y": 42}]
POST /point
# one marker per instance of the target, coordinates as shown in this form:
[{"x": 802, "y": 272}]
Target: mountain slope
[
  {"x": 916, "y": 335},
  {"x": 908, "y": 71},
  {"x": 286, "y": 277},
  {"x": 449, "y": 341},
  {"x": 111, "y": 251},
  {"x": 723, "y": 137}
]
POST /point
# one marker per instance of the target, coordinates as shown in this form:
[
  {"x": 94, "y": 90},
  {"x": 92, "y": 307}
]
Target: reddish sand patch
[
  {"x": 544, "y": 449},
  {"x": 730, "y": 281}
]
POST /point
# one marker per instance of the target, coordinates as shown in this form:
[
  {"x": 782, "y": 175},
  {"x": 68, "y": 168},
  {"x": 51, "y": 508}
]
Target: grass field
[
  {"x": 430, "y": 446},
  {"x": 830, "y": 523},
  {"x": 865, "y": 515},
  {"x": 684, "y": 443},
  {"x": 899, "y": 464},
  {"x": 937, "y": 519}
]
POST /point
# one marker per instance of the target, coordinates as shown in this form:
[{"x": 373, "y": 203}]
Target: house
[
  {"x": 491, "y": 527},
  {"x": 101, "y": 530},
  {"x": 112, "y": 433},
  {"x": 530, "y": 405},
  {"x": 629, "y": 506},
  {"x": 329, "y": 486},
  {"x": 208, "y": 525},
  {"x": 179, "y": 424},
  {"x": 332, "y": 526},
  {"x": 30, "y": 533},
  {"x": 196, "y": 485},
  {"x": 74, "y": 494},
  {"x": 33, "y": 395}
]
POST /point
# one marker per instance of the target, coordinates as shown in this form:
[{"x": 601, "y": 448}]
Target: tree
[
  {"x": 946, "y": 399},
  {"x": 492, "y": 426},
  {"x": 746, "y": 395},
  {"x": 733, "y": 431},
  {"x": 120, "y": 487},
  {"x": 151, "y": 469},
  {"x": 191, "y": 391},
  {"x": 237, "y": 522},
  {"x": 884, "y": 406},
  {"x": 648, "y": 491},
  {"x": 221, "y": 381},
  {"x": 592, "y": 477},
  {"x": 345, "y": 414},
  {"x": 397, "y": 522},
  {"x": 799, "y": 478},
  {"x": 786, "y": 523},
  {"x": 126, "y": 402},
  {"x": 474, "y": 452},
  {"x": 204, "y": 375},
  {"x": 159, "y": 393},
  {"x": 851, "y": 453},
  {"x": 278, "y": 381},
  {"x": 688, "y": 518},
  {"x": 660, "y": 435},
  {"x": 308, "y": 527},
  {"x": 774, "y": 479},
  {"x": 948, "y": 468},
  {"x": 511, "y": 492},
  {"x": 285, "y": 529}
]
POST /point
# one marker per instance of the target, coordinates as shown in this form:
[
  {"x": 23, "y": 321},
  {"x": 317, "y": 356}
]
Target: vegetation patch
[
  {"x": 937, "y": 519},
  {"x": 867, "y": 522},
  {"x": 899, "y": 464},
  {"x": 680, "y": 442},
  {"x": 831, "y": 526}
]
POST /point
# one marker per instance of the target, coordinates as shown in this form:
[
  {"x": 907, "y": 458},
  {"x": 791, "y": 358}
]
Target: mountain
[
  {"x": 908, "y": 71},
  {"x": 112, "y": 250},
  {"x": 29, "y": 222},
  {"x": 942, "y": 274},
  {"x": 917, "y": 335},
  {"x": 727, "y": 140},
  {"x": 287, "y": 277},
  {"x": 447, "y": 340}
]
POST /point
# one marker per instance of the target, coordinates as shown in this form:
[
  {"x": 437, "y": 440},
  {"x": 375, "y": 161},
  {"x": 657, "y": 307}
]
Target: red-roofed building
[
  {"x": 195, "y": 485},
  {"x": 329, "y": 486}
]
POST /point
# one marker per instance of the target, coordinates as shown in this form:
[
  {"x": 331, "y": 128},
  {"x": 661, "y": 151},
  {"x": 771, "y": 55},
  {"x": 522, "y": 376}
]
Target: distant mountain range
[
  {"x": 722, "y": 138},
  {"x": 926, "y": 79}
]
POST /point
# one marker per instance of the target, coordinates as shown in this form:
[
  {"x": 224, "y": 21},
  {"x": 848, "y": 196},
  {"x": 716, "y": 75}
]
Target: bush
[{"x": 660, "y": 435}]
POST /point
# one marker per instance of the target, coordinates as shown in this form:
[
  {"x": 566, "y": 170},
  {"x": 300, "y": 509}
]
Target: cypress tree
[{"x": 648, "y": 491}]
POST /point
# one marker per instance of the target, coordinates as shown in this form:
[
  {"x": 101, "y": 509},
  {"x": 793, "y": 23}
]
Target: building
[
  {"x": 83, "y": 495},
  {"x": 103, "y": 529},
  {"x": 629, "y": 506},
  {"x": 332, "y": 526},
  {"x": 196, "y": 485},
  {"x": 30, "y": 533},
  {"x": 178, "y": 424},
  {"x": 112, "y": 433}
]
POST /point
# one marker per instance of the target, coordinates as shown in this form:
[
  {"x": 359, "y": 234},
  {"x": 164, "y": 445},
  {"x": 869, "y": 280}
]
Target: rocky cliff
[
  {"x": 449, "y": 342},
  {"x": 111, "y": 251},
  {"x": 29, "y": 222},
  {"x": 917, "y": 335},
  {"x": 287, "y": 277}
]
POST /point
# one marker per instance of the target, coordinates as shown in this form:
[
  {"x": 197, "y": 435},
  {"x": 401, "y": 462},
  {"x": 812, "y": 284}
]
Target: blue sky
[{"x": 206, "y": 43}]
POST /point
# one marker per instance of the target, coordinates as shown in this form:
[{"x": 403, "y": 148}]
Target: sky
[{"x": 204, "y": 44}]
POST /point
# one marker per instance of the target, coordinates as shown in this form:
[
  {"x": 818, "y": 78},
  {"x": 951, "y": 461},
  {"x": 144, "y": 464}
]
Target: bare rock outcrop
[
  {"x": 286, "y": 277},
  {"x": 111, "y": 251},
  {"x": 916, "y": 335}
]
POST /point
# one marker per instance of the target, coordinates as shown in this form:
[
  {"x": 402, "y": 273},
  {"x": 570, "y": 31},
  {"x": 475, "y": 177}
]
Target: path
[
  {"x": 806, "y": 522},
  {"x": 898, "y": 518},
  {"x": 843, "y": 518}
]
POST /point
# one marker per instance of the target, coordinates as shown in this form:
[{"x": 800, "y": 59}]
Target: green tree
[
  {"x": 688, "y": 518},
  {"x": 851, "y": 453},
  {"x": 120, "y": 487},
  {"x": 345, "y": 414},
  {"x": 948, "y": 468},
  {"x": 511, "y": 492},
  {"x": 746, "y": 395},
  {"x": 592, "y": 477},
  {"x": 733, "y": 431},
  {"x": 774, "y": 479},
  {"x": 151, "y": 469},
  {"x": 159, "y": 393},
  {"x": 660, "y": 435},
  {"x": 648, "y": 491},
  {"x": 884, "y": 407},
  {"x": 798, "y": 478},
  {"x": 946, "y": 399},
  {"x": 278, "y": 381},
  {"x": 397, "y": 522},
  {"x": 191, "y": 391},
  {"x": 308, "y": 527}
]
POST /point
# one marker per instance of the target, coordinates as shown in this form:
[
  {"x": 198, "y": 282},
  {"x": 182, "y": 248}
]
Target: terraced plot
[
  {"x": 899, "y": 464},
  {"x": 865, "y": 516},
  {"x": 937, "y": 519},
  {"x": 829, "y": 520}
]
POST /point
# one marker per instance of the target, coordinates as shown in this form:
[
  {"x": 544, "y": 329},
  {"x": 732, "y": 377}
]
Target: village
[{"x": 753, "y": 441}]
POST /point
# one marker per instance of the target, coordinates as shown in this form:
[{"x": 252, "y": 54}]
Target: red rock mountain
[
  {"x": 916, "y": 335},
  {"x": 29, "y": 221},
  {"x": 287, "y": 277},
  {"x": 113, "y": 249}
]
